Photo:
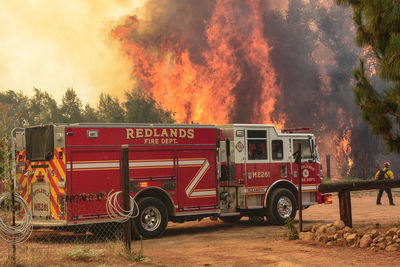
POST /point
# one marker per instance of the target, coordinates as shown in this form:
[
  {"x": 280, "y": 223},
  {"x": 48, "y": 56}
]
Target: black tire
[
  {"x": 281, "y": 205},
  {"x": 231, "y": 219},
  {"x": 152, "y": 219}
]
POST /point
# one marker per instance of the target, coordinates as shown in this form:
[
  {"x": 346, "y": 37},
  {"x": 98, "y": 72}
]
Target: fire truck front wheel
[
  {"x": 152, "y": 219},
  {"x": 281, "y": 206}
]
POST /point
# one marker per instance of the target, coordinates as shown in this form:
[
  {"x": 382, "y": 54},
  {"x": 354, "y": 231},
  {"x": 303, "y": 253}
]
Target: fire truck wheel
[
  {"x": 230, "y": 219},
  {"x": 153, "y": 218},
  {"x": 282, "y": 205}
]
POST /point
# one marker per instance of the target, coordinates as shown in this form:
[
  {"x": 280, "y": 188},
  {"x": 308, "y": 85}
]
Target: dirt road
[
  {"x": 214, "y": 243},
  {"x": 211, "y": 243}
]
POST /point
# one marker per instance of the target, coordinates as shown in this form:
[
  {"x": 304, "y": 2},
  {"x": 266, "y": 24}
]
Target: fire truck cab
[
  {"x": 177, "y": 172},
  {"x": 258, "y": 174}
]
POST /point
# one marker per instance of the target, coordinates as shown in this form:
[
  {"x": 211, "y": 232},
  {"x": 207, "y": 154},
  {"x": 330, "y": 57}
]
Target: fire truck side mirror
[{"x": 312, "y": 145}]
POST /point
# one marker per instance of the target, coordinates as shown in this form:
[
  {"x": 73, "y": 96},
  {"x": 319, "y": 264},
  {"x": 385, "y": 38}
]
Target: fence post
[
  {"x": 345, "y": 207},
  {"x": 299, "y": 196},
  {"x": 125, "y": 195},
  {"x": 328, "y": 166},
  {"x": 364, "y": 156}
]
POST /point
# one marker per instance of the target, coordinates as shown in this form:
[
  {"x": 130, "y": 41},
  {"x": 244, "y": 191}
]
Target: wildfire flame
[
  {"x": 220, "y": 72},
  {"x": 205, "y": 90}
]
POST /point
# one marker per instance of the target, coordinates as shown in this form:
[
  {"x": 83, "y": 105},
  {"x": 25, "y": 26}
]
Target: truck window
[
  {"x": 305, "y": 147},
  {"x": 277, "y": 149},
  {"x": 257, "y": 144},
  {"x": 39, "y": 143}
]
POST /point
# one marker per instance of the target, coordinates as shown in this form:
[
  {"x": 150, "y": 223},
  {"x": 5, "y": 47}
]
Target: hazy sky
[{"x": 55, "y": 44}]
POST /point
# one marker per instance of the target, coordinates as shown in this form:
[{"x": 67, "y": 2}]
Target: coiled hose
[
  {"x": 116, "y": 212},
  {"x": 23, "y": 229}
]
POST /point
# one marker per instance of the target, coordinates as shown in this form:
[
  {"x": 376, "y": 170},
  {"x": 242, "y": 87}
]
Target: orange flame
[{"x": 205, "y": 92}]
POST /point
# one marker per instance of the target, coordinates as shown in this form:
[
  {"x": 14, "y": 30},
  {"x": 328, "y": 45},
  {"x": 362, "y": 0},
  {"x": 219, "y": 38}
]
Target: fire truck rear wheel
[
  {"x": 281, "y": 206},
  {"x": 152, "y": 219}
]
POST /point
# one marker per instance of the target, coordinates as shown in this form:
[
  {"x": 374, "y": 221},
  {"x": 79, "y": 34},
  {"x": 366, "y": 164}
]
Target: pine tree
[{"x": 378, "y": 28}]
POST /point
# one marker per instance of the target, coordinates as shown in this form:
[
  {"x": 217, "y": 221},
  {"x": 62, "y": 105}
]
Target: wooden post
[
  {"x": 300, "y": 199},
  {"x": 345, "y": 207},
  {"x": 328, "y": 166},
  {"x": 125, "y": 195}
]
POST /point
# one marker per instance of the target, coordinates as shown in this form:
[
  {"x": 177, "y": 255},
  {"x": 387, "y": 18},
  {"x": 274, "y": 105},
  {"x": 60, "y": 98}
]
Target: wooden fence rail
[{"x": 344, "y": 189}]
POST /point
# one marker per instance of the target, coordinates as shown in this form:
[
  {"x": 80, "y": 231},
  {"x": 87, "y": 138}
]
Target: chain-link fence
[{"x": 30, "y": 231}]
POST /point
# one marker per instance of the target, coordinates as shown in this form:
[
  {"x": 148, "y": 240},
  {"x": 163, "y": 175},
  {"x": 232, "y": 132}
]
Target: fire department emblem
[
  {"x": 306, "y": 173},
  {"x": 239, "y": 146}
]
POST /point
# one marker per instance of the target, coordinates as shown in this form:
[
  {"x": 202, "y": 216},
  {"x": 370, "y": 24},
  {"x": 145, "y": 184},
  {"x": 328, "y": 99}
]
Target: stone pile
[{"x": 338, "y": 234}]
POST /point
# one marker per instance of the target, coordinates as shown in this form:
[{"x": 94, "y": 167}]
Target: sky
[{"x": 54, "y": 45}]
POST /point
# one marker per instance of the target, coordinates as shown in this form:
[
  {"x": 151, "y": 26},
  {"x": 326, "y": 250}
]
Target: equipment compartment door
[
  {"x": 197, "y": 181},
  {"x": 91, "y": 176}
]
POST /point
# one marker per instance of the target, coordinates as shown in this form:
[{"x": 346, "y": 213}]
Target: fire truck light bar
[{"x": 295, "y": 130}]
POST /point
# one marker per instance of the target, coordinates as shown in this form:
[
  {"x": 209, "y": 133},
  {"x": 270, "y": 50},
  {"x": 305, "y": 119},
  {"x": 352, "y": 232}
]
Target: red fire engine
[{"x": 176, "y": 172}]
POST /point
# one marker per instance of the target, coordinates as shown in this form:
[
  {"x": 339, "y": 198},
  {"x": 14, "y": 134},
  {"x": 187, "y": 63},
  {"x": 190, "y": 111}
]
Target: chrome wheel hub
[
  {"x": 151, "y": 218},
  {"x": 284, "y": 207}
]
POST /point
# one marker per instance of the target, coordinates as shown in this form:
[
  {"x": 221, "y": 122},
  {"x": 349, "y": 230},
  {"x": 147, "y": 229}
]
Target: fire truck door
[
  {"x": 196, "y": 180},
  {"x": 89, "y": 181},
  {"x": 308, "y": 166},
  {"x": 258, "y": 171}
]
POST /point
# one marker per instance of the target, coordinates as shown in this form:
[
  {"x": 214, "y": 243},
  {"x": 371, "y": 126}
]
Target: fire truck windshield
[
  {"x": 305, "y": 148},
  {"x": 39, "y": 143}
]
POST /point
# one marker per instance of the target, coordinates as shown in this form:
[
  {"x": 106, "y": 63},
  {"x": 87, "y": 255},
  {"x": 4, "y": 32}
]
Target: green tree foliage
[
  {"x": 71, "y": 107},
  {"x": 90, "y": 114},
  {"x": 378, "y": 28},
  {"x": 141, "y": 107},
  {"x": 15, "y": 111},
  {"x": 42, "y": 108},
  {"x": 109, "y": 109}
]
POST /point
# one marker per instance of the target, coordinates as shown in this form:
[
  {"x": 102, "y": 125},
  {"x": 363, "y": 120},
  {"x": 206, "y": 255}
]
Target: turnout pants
[{"x": 388, "y": 192}]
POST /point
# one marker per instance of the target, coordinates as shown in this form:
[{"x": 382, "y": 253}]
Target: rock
[
  {"x": 330, "y": 230},
  {"x": 315, "y": 227},
  {"x": 336, "y": 236},
  {"x": 393, "y": 247},
  {"x": 351, "y": 238},
  {"x": 306, "y": 236},
  {"x": 339, "y": 224},
  {"x": 322, "y": 238},
  {"x": 381, "y": 239},
  {"x": 321, "y": 229},
  {"x": 381, "y": 245},
  {"x": 374, "y": 233},
  {"x": 365, "y": 241},
  {"x": 391, "y": 232}
]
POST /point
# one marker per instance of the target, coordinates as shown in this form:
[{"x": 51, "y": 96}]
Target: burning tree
[{"x": 378, "y": 28}]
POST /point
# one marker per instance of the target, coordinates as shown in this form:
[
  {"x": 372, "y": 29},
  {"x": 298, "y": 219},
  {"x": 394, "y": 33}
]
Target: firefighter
[{"x": 385, "y": 173}]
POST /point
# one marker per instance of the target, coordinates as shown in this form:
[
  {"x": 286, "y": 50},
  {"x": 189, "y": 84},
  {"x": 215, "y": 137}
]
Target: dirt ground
[
  {"x": 210, "y": 243},
  {"x": 214, "y": 243}
]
